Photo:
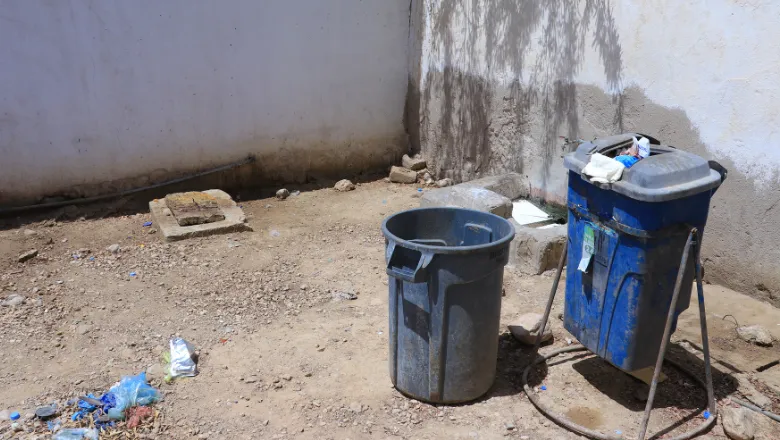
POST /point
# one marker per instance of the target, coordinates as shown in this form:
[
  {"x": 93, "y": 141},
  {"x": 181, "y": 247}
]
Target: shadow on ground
[{"x": 135, "y": 203}]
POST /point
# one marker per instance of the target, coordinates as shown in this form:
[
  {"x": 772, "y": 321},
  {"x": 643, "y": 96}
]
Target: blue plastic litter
[
  {"x": 419, "y": 190},
  {"x": 91, "y": 258},
  {"x": 76, "y": 434},
  {"x": 15, "y": 415},
  {"x": 543, "y": 387},
  {"x": 132, "y": 274},
  {"x": 108, "y": 401},
  {"x": 132, "y": 391},
  {"x": 627, "y": 161},
  {"x": 619, "y": 432},
  {"x": 53, "y": 425},
  {"x": 706, "y": 414},
  {"x": 147, "y": 224}
]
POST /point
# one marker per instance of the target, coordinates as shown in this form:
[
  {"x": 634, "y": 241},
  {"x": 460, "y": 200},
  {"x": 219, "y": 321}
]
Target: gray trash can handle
[
  {"x": 719, "y": 168},
  {"x": 398, "y": 259}
]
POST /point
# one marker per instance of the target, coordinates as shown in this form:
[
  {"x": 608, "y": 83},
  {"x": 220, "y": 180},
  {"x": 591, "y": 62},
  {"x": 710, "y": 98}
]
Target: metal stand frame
[{"x": 711, "y": 405}]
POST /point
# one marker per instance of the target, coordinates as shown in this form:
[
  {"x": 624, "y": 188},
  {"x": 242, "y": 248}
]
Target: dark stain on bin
[{"x": 445, "y": 301}]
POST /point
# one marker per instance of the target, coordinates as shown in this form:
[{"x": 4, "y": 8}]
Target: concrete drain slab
[{"x": 197, "y": 214}]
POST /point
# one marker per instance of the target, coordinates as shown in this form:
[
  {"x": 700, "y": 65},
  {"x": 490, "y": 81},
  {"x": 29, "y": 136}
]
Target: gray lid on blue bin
[{"x": 667, "y": 174}]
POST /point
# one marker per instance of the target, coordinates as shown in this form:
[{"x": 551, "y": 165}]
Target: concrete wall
[
  {"x": 103, "y": 95},
  {"x": 500, "y": 81}
]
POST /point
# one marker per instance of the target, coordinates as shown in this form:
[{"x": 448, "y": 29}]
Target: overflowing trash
[
  {"x": 638, "y": 150},
  {"x": 605, "y": 169}
]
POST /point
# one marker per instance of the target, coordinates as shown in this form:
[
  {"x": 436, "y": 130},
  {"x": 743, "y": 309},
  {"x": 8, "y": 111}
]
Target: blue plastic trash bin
[
  {"x": 625, "y": 245},
  {"x": 446, "y": 271}
]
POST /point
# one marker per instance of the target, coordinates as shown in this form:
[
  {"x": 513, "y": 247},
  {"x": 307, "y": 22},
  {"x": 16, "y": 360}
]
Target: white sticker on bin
[{"x": 588, "y": 248}]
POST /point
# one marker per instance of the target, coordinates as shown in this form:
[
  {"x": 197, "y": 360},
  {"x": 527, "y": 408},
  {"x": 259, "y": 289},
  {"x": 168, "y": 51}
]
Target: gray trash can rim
[{"x": 448, "y": 249}]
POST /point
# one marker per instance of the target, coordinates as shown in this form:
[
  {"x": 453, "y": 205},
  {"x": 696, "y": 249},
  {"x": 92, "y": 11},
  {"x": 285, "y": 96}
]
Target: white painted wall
[
  {"x": 717, "y": 60},
  {"x": 96, "y": 91}
]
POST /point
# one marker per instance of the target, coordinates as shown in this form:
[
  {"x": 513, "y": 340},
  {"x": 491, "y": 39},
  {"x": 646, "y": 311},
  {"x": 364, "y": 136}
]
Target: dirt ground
[{"x": 281, "y": 356}]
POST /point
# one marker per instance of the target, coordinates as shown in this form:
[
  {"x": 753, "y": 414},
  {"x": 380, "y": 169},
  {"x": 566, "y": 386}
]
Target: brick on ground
[{"x": 536, "y": 250}]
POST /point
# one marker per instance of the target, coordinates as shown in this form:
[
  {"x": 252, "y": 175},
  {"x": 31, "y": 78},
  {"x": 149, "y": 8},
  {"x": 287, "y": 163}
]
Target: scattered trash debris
[
  {"x": 76, "y": 434},
  {"x": 137, "y": 414},
  {"x": 99, "y": 408},
  {"x": 132, "y": 391},
  {"x": 755, "y": 334},
  {"x": 132, "y": 274},
  {"x": 419, "y": 190},
  {"x": 46, "y": 412},
  {"x": 29, "y": 255},
  {"x": 81, "y": 253},
  {"x": 147, "y": 224},
  {"x": 706, "y": 414},
  {"x": 344, "y": 296},
  {"x": 275, "y": 233},
  {"x": 54, "y": 425},
  {"x": 16, "y": 425},
  {"x": 295, "y": 193},
  {"x": 282, "y": 194},
  {"x": 543, "y": 387},
  {"x": 344, "y": 185},
  {"x": 183, "y": 359}
]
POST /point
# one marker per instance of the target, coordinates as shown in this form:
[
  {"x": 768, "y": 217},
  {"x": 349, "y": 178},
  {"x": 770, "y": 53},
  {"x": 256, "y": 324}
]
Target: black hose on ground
[
  {"x": 5, "y": 211},
  {"x": 565, "y": 422}
]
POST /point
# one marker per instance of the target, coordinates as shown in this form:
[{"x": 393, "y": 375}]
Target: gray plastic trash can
[{"x": 446, "y": 268}]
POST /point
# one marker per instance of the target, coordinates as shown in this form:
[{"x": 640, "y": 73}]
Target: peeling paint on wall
[{"x": 502, "y": 82}]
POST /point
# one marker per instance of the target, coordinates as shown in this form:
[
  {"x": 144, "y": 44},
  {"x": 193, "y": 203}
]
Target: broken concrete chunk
[
  {"x": 13, "y": 300},
  {"x": 755, "y": 334},
  {"x": 444, "y": 182},
  {"x": 344, "y": 185},
  {"x": 526, "y": 329},
  {"x": 536, "y": 250},
  {"x": 234, "y": 218},
  {"x": 402, "y": 175},
  {"x": 194, "y": 208},
  {"x": 114, "y": 248},
  {"x": 282, "y": 194},
  {"x": 29, "y": 255},
  {"x": 509, "y": 185},
  {"x": 738, "y": 423},
  {"x": 413, "y": 163},
  {"x": 466, "y": 197}
]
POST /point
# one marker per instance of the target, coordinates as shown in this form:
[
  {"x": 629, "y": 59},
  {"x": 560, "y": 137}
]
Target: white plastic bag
[{"x": 603, "y": 169}]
